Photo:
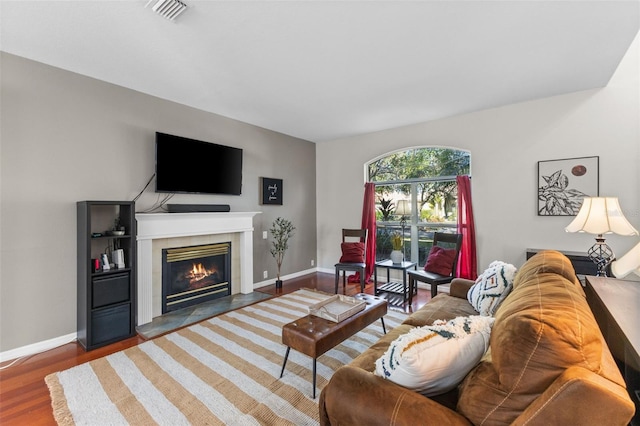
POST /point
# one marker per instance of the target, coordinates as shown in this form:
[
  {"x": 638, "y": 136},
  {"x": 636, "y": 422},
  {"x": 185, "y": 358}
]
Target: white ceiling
[{"x": 322, "y": 70}]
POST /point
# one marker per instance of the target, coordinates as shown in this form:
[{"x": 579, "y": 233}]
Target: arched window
[{"x": 416, "y": 195}]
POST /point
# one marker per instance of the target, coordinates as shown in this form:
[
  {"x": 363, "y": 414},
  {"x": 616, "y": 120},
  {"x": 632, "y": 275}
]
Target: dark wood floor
[{"x": 24, "y": 396}]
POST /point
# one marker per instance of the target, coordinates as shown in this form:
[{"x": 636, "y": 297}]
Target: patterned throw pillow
[
  {"x": 352, "y": 253},
  {"x": 492, "y": 287},
  {"x": 440, "y": 260},
  {"x": 434, "y": 359}
]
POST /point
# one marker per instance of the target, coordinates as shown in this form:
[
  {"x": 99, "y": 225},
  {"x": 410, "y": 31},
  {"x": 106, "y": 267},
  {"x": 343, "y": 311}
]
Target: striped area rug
[{"x": 224, "y": 370}]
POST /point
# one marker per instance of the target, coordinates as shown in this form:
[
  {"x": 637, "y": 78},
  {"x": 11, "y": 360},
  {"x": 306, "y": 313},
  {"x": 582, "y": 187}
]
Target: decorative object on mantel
[
  {"x": 271, "y": 191},
  {"x": 397, "y": 243},
  {"x": 601, "y": 215},
  {"x": 563, "y": 183},
  {"x": 627, "y": 264},
  {"x": 281, "y": 231}
]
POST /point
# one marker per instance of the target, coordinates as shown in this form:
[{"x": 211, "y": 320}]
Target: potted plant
[
  {"x": 281, "y": 231},
  {"x": 118, "y": 227},
  {"x": 396, "y": 242}
]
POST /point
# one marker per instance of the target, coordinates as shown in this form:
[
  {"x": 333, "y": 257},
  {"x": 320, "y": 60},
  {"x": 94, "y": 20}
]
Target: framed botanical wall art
[{"x": 562, "y": 184}]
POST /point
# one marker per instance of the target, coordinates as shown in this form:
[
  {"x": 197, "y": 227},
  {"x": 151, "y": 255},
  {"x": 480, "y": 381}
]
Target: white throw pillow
[
  {"x": 492, "y": 287},
  {"x": 434, "y": 359}
]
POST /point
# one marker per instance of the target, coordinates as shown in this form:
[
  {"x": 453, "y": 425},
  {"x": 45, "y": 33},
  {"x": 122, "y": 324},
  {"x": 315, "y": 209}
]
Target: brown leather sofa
[{"x": 547, "y": 364}]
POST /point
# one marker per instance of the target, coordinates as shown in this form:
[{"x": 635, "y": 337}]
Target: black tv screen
[{"x": 192, "y": 166}]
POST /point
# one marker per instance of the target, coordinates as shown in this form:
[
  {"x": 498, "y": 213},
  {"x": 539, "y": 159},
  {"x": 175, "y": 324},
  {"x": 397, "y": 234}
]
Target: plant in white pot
[
  {"x": 281, "y": 231},
  {"x": 396, "y": 242}
]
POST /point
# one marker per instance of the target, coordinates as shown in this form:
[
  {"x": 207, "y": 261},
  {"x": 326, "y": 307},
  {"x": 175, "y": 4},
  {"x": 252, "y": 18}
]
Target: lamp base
[{"x": 602, "y": 255}]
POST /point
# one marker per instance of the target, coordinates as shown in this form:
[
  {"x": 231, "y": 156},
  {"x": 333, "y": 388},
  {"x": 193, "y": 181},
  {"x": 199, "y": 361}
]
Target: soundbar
[{"x": 198, "y": 208}]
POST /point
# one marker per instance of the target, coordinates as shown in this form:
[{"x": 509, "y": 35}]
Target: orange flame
[{"x": 198, "y": 272}]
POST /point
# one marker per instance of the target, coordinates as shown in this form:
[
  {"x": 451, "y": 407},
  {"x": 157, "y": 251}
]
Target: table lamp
[
  {"x": 601, "y": 215},
  {"x": 629, "y": 263},
  {"x": 403, "y": 208}
]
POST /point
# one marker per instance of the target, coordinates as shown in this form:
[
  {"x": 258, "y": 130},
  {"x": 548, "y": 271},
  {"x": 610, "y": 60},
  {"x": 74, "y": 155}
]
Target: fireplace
[
  {"x": 157, "y": 231},
  {"x": 195, "y": 274}
]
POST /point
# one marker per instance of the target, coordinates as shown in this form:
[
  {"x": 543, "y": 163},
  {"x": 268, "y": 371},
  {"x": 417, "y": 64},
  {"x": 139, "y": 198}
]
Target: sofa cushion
[
  {"x": 492, "y": 287},
  {"x": 441, "y": 307},
  {"x": 541, "y": 329},
  {"x": 440, "y": 260},
  {"x": 352, "y": 252},
  {"x": 367, "y": 359},
  {"x": 434, "y": 359}
]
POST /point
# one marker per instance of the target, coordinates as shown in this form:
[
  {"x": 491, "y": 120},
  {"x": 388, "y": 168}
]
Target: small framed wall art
[
  {"x": 271, "y": 191},
  {"x": 562, "y": 184}
]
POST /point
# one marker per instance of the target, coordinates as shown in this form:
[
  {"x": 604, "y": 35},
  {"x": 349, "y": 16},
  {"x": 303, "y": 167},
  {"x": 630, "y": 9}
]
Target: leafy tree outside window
[{"x": 426, "y": 177}]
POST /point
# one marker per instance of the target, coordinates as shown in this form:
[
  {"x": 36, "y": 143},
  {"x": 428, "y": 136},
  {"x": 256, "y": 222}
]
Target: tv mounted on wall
[{"x": 191, "y": 166}]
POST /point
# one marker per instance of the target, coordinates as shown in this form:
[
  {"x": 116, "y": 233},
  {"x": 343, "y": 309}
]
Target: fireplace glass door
[{"x": 196, "y": 274}]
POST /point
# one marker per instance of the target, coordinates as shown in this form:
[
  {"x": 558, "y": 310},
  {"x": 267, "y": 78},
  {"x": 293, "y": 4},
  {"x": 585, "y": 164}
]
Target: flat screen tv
[{"x": 191, "y": 166}]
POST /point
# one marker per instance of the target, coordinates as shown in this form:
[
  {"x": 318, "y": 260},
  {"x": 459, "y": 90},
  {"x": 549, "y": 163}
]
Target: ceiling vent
[{"x": 169, "y": 9}]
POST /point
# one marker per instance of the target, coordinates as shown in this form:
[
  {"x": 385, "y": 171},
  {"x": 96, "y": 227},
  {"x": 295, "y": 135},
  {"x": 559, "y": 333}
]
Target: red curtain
[
  {"x": 369, "y": 223},
  {"x": 467, "y": 264}
]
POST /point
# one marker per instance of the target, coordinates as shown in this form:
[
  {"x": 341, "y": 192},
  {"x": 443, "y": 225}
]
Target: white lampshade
[
  {"x": 601, "y": 215},
  {"x": 403, "y": 208},
  {"x": 627, "y": 264}
]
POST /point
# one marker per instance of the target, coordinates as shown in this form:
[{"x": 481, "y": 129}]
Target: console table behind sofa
[
  {"x": 616, "y": 306},
  {"x": 580, "y": 261}
]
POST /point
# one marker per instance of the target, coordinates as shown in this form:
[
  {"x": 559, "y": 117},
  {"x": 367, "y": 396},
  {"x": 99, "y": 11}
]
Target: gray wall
[
  {"x": 66, "y": 137},
  {"x": 505, "y": 144}
]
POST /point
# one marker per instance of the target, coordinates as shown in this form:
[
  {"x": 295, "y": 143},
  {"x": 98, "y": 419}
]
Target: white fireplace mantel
[{"x": 152, "y": 226}]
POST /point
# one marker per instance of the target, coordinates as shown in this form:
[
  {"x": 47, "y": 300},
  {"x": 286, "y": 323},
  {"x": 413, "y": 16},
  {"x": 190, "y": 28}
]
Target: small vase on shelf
[{"x": 396, "y": 256}]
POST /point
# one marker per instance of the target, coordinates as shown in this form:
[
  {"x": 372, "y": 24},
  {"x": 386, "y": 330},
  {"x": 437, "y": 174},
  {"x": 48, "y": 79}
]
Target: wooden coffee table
[{"x": 313, "y": 336}]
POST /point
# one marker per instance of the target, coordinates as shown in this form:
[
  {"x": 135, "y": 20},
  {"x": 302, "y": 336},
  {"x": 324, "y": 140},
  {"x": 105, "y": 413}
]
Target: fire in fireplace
[{"x": 196, "y": 274}]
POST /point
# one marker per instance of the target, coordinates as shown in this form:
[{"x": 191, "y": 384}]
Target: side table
[{"x": 393, "y": 286}]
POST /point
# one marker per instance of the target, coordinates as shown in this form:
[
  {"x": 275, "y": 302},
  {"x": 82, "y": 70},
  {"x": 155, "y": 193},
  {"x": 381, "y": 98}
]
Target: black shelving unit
[{"x": 106, "y": 299}]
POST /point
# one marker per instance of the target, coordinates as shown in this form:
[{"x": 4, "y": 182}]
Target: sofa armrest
[
  {"x": 357, "y": 397},
  {"x": 460, "y": 287},
  {"x": 581, "y": 397}
]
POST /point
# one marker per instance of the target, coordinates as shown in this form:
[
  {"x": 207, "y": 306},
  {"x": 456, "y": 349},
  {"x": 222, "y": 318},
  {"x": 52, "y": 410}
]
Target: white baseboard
[
  {"x": 272, "y": 281},
  {"x": 36, "y": 348}
]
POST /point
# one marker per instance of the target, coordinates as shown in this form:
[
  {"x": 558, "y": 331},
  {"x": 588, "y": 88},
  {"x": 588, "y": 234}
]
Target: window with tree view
[{"x": 416, "y": 196}]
